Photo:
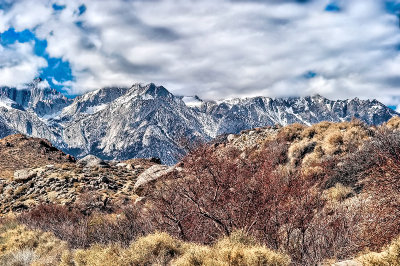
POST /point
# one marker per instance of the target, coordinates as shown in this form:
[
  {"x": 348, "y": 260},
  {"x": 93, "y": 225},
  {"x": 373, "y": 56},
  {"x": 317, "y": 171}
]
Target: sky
[{"x": 212, "y": 48}]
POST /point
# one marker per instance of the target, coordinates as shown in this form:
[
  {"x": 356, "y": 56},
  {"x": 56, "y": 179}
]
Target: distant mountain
[
  {"x": 43, "y": 100},
  {"x": 149, "y": 121}
]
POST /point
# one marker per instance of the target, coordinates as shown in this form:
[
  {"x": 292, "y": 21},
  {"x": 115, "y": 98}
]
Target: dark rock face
[
  {"x": 148, "y": 121},
  {"x": 43, "y": 101}
]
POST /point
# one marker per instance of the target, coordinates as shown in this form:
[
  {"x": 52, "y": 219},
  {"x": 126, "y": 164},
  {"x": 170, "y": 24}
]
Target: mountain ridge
[{"x": 149, "y": 121}]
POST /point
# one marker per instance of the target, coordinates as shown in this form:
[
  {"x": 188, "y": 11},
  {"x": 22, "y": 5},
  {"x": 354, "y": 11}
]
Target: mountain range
[{"x": 148, "y": 121}]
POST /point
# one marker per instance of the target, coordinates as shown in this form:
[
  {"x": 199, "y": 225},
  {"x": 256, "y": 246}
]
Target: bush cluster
[{"x": 318, "y": 193}]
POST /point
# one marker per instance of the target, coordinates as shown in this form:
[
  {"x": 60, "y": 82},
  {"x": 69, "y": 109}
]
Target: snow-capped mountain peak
[
  {"x": 37, "y": 97},
  {"x": 149, "y": 121}
]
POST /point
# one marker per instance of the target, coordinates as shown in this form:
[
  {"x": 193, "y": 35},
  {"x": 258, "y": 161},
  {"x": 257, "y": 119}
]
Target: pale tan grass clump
[
  {"x": 20, "y": 243},
  {"x": 309, "y": 146},
  {"x": 393, "y": 123},
  {"x": 355, "y": 136},
  {"x": 338, "y": 193},
  {"x": 158, "y": 248},
  {"x": 389, "y": 256},
  {"x": 333, "y": 143},
  {"x": 154, "y": 249},
  {"x": 310, "y": 164},
  {"x": 237, "y": 249},
  {"x": 316, "y": 131},
  {"x": 298, "y": 150},
  {"x": 162, "y": 249},
  {"x": 291, "y": 132},
  {"x": 96, "y": 255}
]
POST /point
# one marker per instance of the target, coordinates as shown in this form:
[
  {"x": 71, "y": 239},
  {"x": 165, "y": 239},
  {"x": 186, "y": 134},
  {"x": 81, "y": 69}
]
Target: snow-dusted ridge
[{"x": 149, "y": 121}]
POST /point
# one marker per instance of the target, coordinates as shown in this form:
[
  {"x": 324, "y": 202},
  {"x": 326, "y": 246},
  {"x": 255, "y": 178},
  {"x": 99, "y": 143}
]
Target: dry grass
[
  {"x": 20, "y": 245},
  {"x": 309, "y": 146},
  {"x": 394, "y": 123},
  {"x": 389, "y": 256},
  {"x": 298, "y": 150},
  {"x": 162, "y": 249},
  {"x": 238, "y": 249},
  {"x": 291, "y": 132},
  {"x": 338, "y": 193}
]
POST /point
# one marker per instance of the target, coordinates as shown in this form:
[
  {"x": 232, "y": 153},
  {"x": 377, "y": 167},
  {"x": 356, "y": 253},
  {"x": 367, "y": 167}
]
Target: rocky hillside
[
  {"x": 19, "y": 152},
  {"x": 33, "y": 172},
  {"x": 295, "y": 195},
  {"x": 148, "y": 121},
  {"x": 95, "y": 184}
]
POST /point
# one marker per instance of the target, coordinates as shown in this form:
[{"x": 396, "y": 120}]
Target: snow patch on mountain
[
  {"x": 94, "y": 109},
  {"x": 149, "y": 121},
  {"x": 7, "y": 103}
]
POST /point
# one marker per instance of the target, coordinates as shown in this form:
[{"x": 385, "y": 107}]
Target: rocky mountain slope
[
  {"x": 33, "y": 172},
  {"x": 149, "y": 121},
  {"x": 18, "y": 152},
  {"x": 98, "y": 186}
]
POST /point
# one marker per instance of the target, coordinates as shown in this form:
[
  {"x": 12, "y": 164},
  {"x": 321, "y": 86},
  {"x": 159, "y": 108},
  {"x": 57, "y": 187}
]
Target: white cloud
[
  {"x": 219, "y": 49},
  {"x": 43, "y": 84},
  {"x": 18, "y": 64}
]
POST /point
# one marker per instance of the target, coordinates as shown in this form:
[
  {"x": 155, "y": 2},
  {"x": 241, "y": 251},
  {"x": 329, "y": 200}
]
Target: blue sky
[
  {"x": 57, "y": 70},
  {"x": 215, "y": 49}
]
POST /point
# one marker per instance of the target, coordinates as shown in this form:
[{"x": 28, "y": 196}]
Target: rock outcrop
[{"x": 151, "y": 175}]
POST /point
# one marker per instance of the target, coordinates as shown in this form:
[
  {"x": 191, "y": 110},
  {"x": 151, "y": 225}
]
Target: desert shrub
[
  {"x": 377, "y": 161},
  {"x": 97, "y": 255},
  {"x": 341, "y": 199},
  {"x": 316, "y": 131},
  {"x": 80, "y": 230},
  {"x": 7, "y": 223},
  {"x": 88, "y": 202},
  {"x": 196, "y": 255},
  {"x": 283, "y": 205},
  {"x": 240, "y": 249},
  {"x": 154, "y": 249},
  {"x": 373, "y": 173},
  {"x": 355, "y": 136},
  {"x": 298, "y": 150},
  {"x": 333, "y": 143},
  {"x": 220, "y": 194},
  {"x": 312, "y": 163},
  {"x": 18, "y": 258},
  {"x": 338, "y": 193},
  {"x": 237, "y": 249},
  {"x": 21, "y": 245},
  {"x": 309, "y": 132},
  {"x": 67, "y": 224},
  {"x": 162, "y": 249},
  {"x": 291, "y": 132},
  {"x": 393, "y": 123},
  {"x": 389, "y": 256},
  {"x": 347, "y": 170}
]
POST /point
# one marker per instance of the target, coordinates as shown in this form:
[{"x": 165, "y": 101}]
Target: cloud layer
[{"x": 216, "y": 49}]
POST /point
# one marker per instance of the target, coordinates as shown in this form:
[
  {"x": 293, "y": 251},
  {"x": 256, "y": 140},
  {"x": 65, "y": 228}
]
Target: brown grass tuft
[
  {"x": 338, "y": 193},
  {"x": 389, "y": 256},
  {"x": 19, "y": 244}
]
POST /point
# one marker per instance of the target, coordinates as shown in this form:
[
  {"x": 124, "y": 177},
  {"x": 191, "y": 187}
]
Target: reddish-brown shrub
[
  {"x": 220, "y": 193},
  {"x": 81, "y": 230}
]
